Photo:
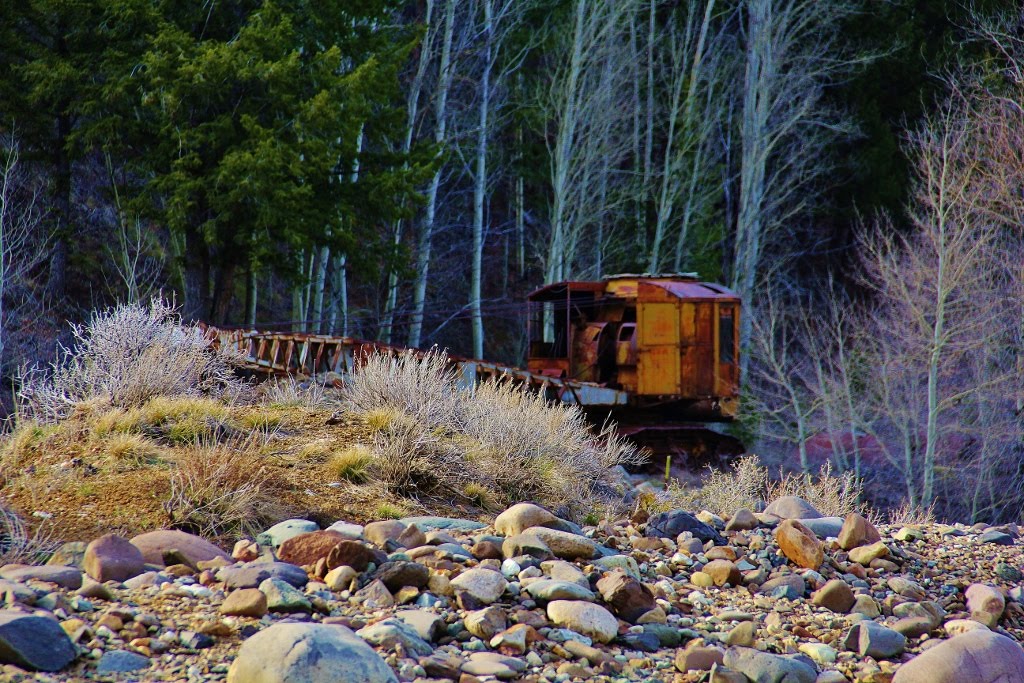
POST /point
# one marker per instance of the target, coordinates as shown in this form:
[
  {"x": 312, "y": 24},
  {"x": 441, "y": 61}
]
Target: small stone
[
  {"x": 411, "y": 537},
  {"x": 245, "y": 550},
  {"x": 195, "y": 640},
  {"x": 428, "y": 625},
  {"x": 353, "y": 554},
  {"x": 698, "y": 658},
  {"x": 585, "y": 618},
  {"x": 121, "y": 661},
  {"x": 340, "y": 578},
  {"x": 351, "y": 531},
  {"x": 375, "y": 595},
  {"x": 985, "y": 603},
  {"x": 525, "y": 545},
  {"x": 793, "y": 586},
  {"x": 996, "y": 538},
  {"x": 628, "y": 598},
  {"x": 857, "y": 531},
  {"x": 879, "y": 642},
  {"x": 836, "y": 595},
  {"x": 547, "y": 590},
  {"x": 485, "y": 623},
  {"x": 71, "y": 554},
  {"x": 391, "y": 633},
  {"x": 867, "y": 606},
  {"x": 563, "y": 545},
  {"x": 799, "y": 544},
  {"x": 822, "y": 654},
  {"x": 283, "y": 597},
  {"x": 824, "y": 527},
  {"x": 742, "y": 520},
  {"x": 112, "y": 558},
  {"x": 514, "y": 640},
  {"x": 245, "y": 602},
  {"x": 379, "y": 533},
  {"x": 864, "y": 555},
  {"x": 481, "y": 585},
  {"x": 742, "y": 634},
  {"x": 1008, "y": 572},
  {"x": 702, "y": 580},
  {"x": 486, "y": 550},
  {"x": 397, "y": 575},
  {"x": 253, "y": 574},
  {"x": 723, "y": 572}
]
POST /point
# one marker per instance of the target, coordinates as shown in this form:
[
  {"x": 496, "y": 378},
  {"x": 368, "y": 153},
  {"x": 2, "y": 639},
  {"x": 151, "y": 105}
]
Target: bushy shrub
[
  {"x": 492, "y": 446},
  {"x": 128, "y": 355}
]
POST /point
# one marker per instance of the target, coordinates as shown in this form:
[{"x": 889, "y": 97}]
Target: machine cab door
[{"x": 658, "y": 325}]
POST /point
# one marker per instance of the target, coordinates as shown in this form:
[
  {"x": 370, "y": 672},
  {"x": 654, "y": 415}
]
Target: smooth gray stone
[
  {"x": 428, "y": 523},
  {"x": 121, "y": 661},
  {"x": 34, "y": 642}
]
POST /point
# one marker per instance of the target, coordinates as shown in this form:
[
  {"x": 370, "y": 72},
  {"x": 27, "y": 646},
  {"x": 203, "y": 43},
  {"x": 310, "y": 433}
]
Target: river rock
[
  {"x": 112, "y": 558},
  {"x": 398, "y": 575},
  {"x": 857, "y": 531},
  {"x": 866, "y": 554},
  {"x": 671, "y": 524},
  {"x": 308, "y": 548},
  {"x": 836, "y": 595},
  {"x": 824, "y": 527},
  {"x": 247, "y": 602},
  {"x": 799, "y": 544},
  {"x": 985, "y": 603},
  {"x": 792, "y": 507},
  {"x": 482, "y": 586},
  {"x": 282, "y": 531},
  {"x": 525, "y": 544},
  {"x": 584, "y": 618},
  {"x": 308, "y": 653},
  {"x": 742, "y": 520},
  {"x": 392, "y": 632},
  {"x": 253, "y": 574},
  {"x": 723, "y": 572},
  {"x": 429, "y": 626},
  {"x": 547, "y": 590},
  {"x": 522, "y": 516},
  {"x": 121, "y": 661},
  {"x": 379, "y": 533},
  {"x": 978, "y": 656},
  {"x": 34, "y": 642},
  {"x": 877, "y": 641},
  {"x": 65, "y": 577},
  {"x": 485, "y": 623},
  {"x": 563, "y": 545},
  {"x": 763, "y": 667},
  {"x": 154, "y": 544},
  {"x": 354, "y": 554},
  {"x": 283, "y": 597},
  {"x": 629, "y": 599}
]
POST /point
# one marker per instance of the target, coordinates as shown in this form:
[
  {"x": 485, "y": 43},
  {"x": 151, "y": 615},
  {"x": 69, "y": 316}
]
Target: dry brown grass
[
  {"x": 224, "y": 490},
  {"x": 351, "y": 463},
  {"x": 127, "y": 450},
  {"x": 490, "y": 447},
  {"x": 20, "y": 546},
  {"x": 909, "y": 515},
  {"x": 833, "y": 495}
]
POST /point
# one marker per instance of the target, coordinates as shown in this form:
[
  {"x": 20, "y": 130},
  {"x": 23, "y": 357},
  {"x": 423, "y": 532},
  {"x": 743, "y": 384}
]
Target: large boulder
[
  {"x": 764, "y": 667},
  {"x": 154, "y": 544},
  {"x": 521, "y": 517},
  {"x": 308, "y": 653},
  {"x": 585, "y": 618},
  {"x": 282, "y": 531},
  {"x": 978, "y": 656}
]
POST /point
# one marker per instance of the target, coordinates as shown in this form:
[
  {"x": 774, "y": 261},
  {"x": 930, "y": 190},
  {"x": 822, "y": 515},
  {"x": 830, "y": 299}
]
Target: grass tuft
[
  {"x": 130, "y": 450},
  {"x": 351, "y": 464}
]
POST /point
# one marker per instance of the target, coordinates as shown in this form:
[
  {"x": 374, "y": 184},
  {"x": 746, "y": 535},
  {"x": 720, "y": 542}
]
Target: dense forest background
[{"x": 409, "y": 171}]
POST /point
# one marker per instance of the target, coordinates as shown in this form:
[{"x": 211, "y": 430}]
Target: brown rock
[
  {"x": 980, "y": 656},
  {"x": 985, "y": 603},
  {"x": 486, "y": 550},
  {"x": 742, "y": 520},
  {"x": 485, "y": 623},
  {"x": 866, "y": 554},
  {"x": 857, "y": 531},
  {"x": 154, "y": 545},
  {"x": 352, "y": 554},
  {"x": 628, "y": 598},
  {"x": 721, "y": 552},
  {"x": 723, "y": 572},
  {"x": 245, "y": 550},
  {"x": 113, "y": 558},
  {"x": 835, "y": 595},
  {"x": 245, "y": 602},
  {"x": 698, "y": 658},
  {"x": 412, "y": 537},
  {"x": 306, "y": 549},
  {"x": 799, "y": 544},
  {"x": 379, "y": 533}
]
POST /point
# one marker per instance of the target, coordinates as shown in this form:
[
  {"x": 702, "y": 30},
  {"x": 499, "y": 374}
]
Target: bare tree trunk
[
  {"x": 412, "y": 111},
  {"x": 480, "y": 184},
  {"x": 426, "y": 235},
  {"x": 319, "y": 284},
  {"x": 251, "y": 295}
]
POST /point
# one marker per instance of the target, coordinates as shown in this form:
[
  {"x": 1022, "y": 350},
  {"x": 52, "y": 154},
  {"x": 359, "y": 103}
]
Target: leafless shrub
[
  {"x": 743, "y": 485},
  {"x": 832, "y": 495},
  {"x": 17, "y": 545},
  {"x": 288, "y": 392},
  {"x": 909, "y": 514},
  {"x": 510, "y": 442},
  {"x": 421, "y": 386},
  {"x": 223, "y": 489},
  {"x": 129, "y": 354}
]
